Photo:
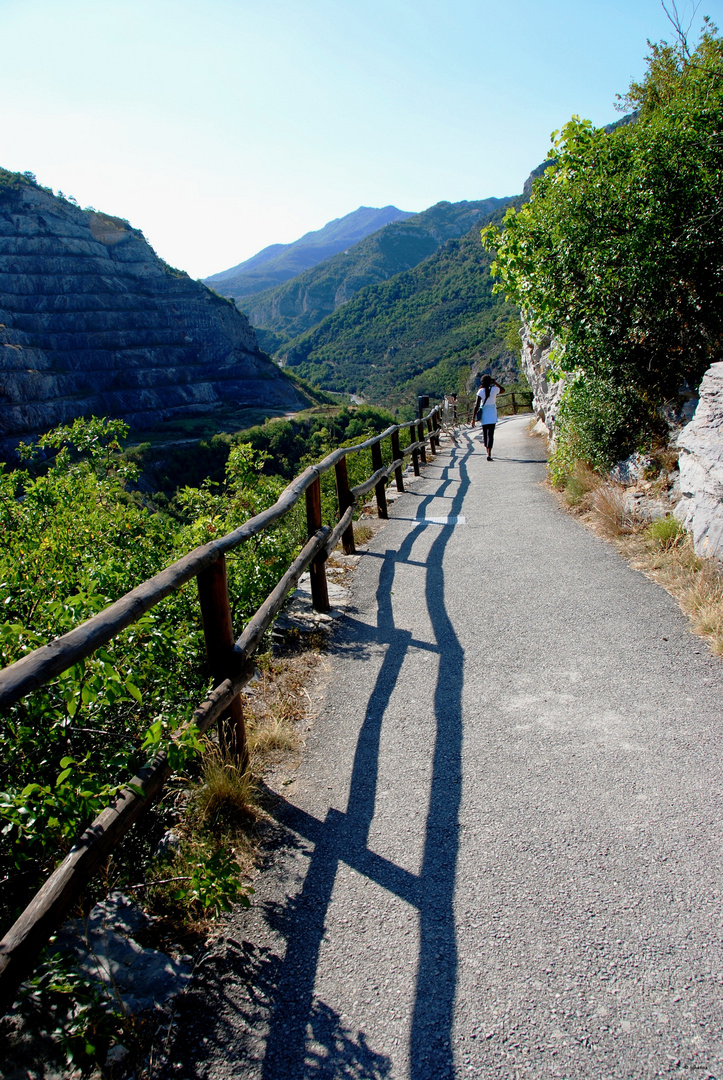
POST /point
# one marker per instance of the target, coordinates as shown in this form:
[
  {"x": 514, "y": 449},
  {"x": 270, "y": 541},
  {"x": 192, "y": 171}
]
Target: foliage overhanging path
[{"x": 500, "y": 854}]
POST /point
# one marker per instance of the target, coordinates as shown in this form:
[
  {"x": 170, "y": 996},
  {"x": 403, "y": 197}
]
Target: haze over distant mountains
[
  {"x": 279, "y": 262},
  {"x": 405, "y": 310}
]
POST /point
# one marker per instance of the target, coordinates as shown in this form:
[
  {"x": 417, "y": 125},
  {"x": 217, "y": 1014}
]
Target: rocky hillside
[
  {"x": 293, "y": 308},
  {"x": 93, "y": 322},
  {"x": 279, "y": 262}
]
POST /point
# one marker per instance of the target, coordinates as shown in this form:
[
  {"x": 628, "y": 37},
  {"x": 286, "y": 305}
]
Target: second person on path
[{"x": 487, "y": 396}]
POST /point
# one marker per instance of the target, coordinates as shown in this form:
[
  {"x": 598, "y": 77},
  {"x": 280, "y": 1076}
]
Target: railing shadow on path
[{"x": 294, "y": 1026}]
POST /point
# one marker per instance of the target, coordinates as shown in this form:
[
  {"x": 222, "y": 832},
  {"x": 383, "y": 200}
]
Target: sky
[{"x": 220, "y": 126}]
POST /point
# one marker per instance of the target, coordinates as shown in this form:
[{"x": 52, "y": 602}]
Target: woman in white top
[{"x": 487, "y": 395}]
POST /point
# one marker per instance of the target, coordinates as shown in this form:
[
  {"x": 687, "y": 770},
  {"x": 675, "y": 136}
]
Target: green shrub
[
  {"x": 617, "y": 254},
  {"x": 600, "y": 421},
  {"x": 665, "y": 533}
]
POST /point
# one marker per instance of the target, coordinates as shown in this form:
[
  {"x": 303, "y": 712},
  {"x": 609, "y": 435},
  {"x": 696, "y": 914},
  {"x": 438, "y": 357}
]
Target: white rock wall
[
  {"x": 701, "y": 467},
  {"x": 536, "y": 366}
]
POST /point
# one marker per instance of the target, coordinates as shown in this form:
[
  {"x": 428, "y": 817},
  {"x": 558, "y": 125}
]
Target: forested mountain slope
[
  {"x": 295, "y": 307},
  {"x": 93, "y": 322},
  {"x": 415, "y": 333},
  {"x": 279, "y": 262}
]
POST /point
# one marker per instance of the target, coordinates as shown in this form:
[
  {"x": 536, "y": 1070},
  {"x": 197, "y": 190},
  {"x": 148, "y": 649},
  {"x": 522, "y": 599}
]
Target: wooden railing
[{"x": 229, "y": 660}]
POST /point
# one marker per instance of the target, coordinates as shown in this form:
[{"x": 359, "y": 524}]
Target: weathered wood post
[
  {"x": 514, "y": 403},
  {"x": 430, "y": 431},
  {"x": 422, "y": 404},
  {"x": 345, "y": 501},
  {"x": 381, "y": 487},
  {"x": 415, "y": 453},
  {"x": 218, "y": 632},
  {"x": 317, "y": 569},
  {"x": 396, "y": 456},
  {"x": 437, "y": 426}
]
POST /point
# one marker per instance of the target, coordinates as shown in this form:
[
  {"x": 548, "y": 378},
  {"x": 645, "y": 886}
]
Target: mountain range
[
  {"x": 291, "y": 309},
  {"x": 406, "y": 310},
  {"x": 417, "y": 332},
  {"x": 279, "y": 262}
]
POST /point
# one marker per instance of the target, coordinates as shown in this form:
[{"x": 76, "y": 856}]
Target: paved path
[{"x": 502, "y": 852}]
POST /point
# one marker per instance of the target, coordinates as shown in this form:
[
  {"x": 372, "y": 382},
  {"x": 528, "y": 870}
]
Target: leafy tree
[{"x": 619, "y": 253}]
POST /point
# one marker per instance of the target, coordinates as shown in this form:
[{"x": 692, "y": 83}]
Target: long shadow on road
[{"x": 295, "y": 1044}]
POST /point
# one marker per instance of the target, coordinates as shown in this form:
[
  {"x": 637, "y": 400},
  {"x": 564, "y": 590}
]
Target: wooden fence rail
[{"x": 229, "y": 660}]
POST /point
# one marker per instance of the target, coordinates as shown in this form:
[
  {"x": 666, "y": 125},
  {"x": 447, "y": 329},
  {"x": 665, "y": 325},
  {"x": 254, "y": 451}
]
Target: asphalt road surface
[{"x": 501, "y": 854}]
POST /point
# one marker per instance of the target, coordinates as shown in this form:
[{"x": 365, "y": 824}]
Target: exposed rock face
[
  {"x": 92, "y": 322},
  {"x": 535, "y": 360},
  {"x": 106, "y": 952},
  {"x": 701, "y": 467}
]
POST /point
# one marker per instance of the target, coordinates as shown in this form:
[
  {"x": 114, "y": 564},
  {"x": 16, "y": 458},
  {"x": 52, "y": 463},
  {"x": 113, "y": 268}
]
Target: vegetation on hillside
[
  {"x": 295, "y": 307},
  {"x": 286, "y": 442},
  {"x": 619, "y": 255},
  {"x": 417, "y": 333},
  {"x": 76, "y": 537}
]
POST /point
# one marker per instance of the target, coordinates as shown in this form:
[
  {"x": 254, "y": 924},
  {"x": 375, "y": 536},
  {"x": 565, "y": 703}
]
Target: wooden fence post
[
  {"x": 437, "y": 426},
  {"x": 396, "y": 455},
  {"x": 420, "y": 438},
  {"x": 415, "y": 453},
  {"x": 317, "y": 570},
  {"x": 381, "y": 487},
  {"x": 430, "y": 430},
  {"x": 345, "y": 500},
  {"x": 514, "y": 403},
  {"x": 218, "y": 632}
]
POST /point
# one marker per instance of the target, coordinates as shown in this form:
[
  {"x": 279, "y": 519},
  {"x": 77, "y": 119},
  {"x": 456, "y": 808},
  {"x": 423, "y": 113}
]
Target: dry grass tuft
[
  {"x": 224, "y": 796},
  {"x": 363, "y": 532},
  {"x": 277, "y": 704},
  {"x": 611, "y": 512},
  {"x": 272, "y": 735},
  {"x": 534, "y": 432},
  {"x": 582, "y": 481}
]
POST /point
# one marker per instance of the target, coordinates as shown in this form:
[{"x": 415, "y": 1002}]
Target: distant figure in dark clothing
[{"x": 485, "y": 405}]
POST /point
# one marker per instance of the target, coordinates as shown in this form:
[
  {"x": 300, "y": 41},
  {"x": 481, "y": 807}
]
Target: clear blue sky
[{"x": 220, "y": 126}]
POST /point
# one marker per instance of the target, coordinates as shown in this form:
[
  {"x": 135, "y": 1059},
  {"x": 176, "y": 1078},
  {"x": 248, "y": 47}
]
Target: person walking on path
[{"x": 487, "y": 396}]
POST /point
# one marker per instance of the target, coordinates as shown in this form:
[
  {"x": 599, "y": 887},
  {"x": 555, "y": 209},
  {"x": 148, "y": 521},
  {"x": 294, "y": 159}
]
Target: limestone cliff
[
  {"x": 701, "y": 467},
  {"x": 93, "y": 322},
  {"x": 536, "y": 364}
]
